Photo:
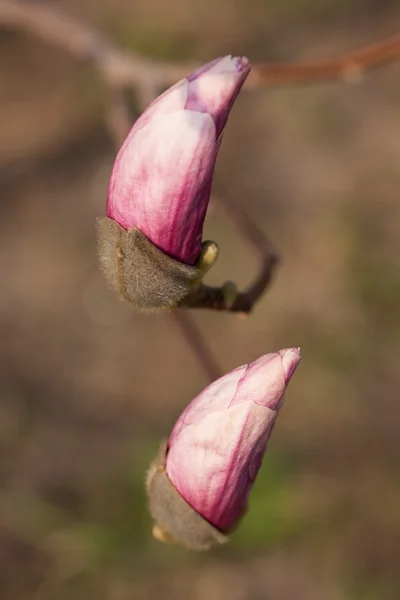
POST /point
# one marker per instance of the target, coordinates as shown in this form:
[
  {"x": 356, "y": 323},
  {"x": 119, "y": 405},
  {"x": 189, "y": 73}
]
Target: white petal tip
[{"x": 290, "y": 359}]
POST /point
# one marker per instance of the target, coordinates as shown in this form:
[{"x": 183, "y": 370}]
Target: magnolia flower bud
[
  {"x": 199, "y": 486},
  {"x": 160, "y": 186}
]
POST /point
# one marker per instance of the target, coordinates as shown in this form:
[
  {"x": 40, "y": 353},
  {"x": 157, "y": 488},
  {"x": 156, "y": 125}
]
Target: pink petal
[
  {"x": 290, "y": 359},
  {"x": 211, "y": 464},
  {"x": 215, "y": 89},
  {"x": 213, "y": 399},
  {"x": 162, "y": 179},
  {"x": 174, "y": 98},
  {"x": 217, "y": 445}
]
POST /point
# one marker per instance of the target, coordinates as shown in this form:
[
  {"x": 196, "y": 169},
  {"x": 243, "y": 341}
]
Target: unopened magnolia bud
[
  {"x": 143, "y": 274},
  {"x": 200, "y": 484},
  {"x": 217, "y": 445},
  {"x": 160, "y": 187},
  {"x": 175, "y": 520},
  {"x": 162, "y": 176}
]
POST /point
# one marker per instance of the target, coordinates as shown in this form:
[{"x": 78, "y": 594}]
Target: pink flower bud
[
  {"x": 218, "y": 443},
  {"x": 162, "y": 176}
]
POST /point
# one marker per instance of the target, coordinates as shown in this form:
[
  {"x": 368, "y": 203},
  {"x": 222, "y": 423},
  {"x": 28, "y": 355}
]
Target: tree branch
[
  {"x": 197, "y": 343},
  {"x": 348, "y": 67},
  {"x": 122, "y": 68},
  {"x": 116, "y": 66},
  {"x": 216, "y": 298}
]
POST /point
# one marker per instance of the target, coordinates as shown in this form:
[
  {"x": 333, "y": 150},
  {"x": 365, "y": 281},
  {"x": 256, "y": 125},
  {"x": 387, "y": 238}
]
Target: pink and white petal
[
  {"x": 262, "y": 383},
  {"x": 290, "y": 359},
  {"x": 224, "y": 65},
  {"x": 171, "y": 100},
  {"x": 204, "y": 68},
  {"x": 211, "y": 463},
  {"x": 214, "y": 398},
  {"x": 161, "y": 178},
  {"x": 174, "y": 98},
  {"x": 215, "y": 90}
]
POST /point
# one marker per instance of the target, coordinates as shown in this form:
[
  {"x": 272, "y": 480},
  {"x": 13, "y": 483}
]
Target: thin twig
[
  {"x": 215, "y": 297},
  {"x": 119, "y": 117},
  {"x": 197, "y": 343},
  {"x": 256, "y": 238}
]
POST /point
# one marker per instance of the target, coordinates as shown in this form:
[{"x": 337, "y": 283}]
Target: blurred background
[{"x": 88, "y": 387}]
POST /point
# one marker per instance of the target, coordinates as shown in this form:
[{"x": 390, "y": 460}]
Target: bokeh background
[{"x": 88, "y": 387}]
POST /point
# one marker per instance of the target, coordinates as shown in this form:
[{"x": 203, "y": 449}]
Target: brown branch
[
  {"x": 119, "y": 117},
  {"x": 116, "y": 66},
  {"x": 215, "y": 297},
  {"x": 122, "y": 68},
  {"x": 197, "y": 343},
  {"x": 347, "y": 67}
]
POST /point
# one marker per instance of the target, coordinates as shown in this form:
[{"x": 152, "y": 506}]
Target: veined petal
[
  {"x": 213, "y": 399},
  {"x": 211, "y": 464},
  {"x": 224, "y": 65},
  {"x": 176, "y": 139},
  {"x": 263, "y": 382},
  {"x": 216, "y": 448},
  {"x": 290, "y": 359},
  {"x": 215, "y": 87},
  {"x": 173, "y": 99},
  {"x": 162, "y": 179}
]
